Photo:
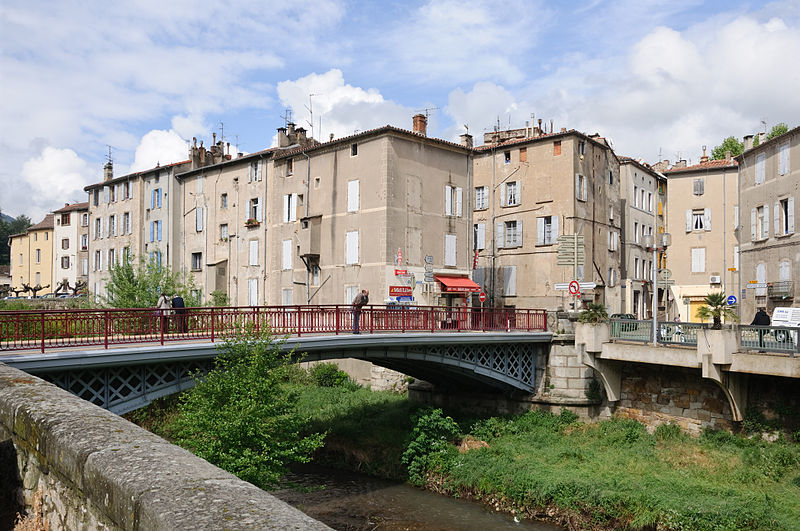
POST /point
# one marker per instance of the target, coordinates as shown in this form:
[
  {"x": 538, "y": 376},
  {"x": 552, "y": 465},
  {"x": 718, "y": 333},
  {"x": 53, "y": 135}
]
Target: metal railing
[
  {"x": 770, "y": 339},
  {"x": 783, "y": 289},
  {"x": 671, "y": 333},
  {"x": 48, "y": 329}
]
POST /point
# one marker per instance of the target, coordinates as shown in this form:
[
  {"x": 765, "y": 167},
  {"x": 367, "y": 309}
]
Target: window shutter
[
  {"x": 450, "y": 249},
  {"x": 510, "y": 280},
  {"x": 707, "y": 219},
  {"x": 152, "y": 231},
  {"x": 458, "y": 202},
  {"x": 578, "y": 192},
  {"x": 293, "y": 208},
  {"x": 158, "y": 226},
  {"x": 539, "y": 231},
  {"x": 765, "y": 230},
  {"x": 351, "y": 248},
  {"x": 198, "y": 219},
  {"x": 499, "y": 231},
  {"x": 504, "y": 195},
  {"x": 259, "y": 211},
  {"x": 688, "y": 220},
  {"x": 448, "y": 201},
  {"x": 777, "y": 218},
  {"x": 519, "y": 232},
  {"x": 736, "y": 217},
  {"x": 253, "y": 252},
  {"x": 352, "y": 196},
  {"x": 250, "y": 172},
  {"x": 760, "y": 169},
  {"x": 554, "y": 229},
  {"x": 753, "y": 225},
  {"x": 481, "y": 235},
  {"x": 790, "y": 215},
  {"x": 287, "y": 254}
]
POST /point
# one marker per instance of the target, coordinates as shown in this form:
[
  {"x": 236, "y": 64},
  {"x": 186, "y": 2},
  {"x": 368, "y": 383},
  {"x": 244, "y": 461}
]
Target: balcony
[{"x": 782, "y": 290}]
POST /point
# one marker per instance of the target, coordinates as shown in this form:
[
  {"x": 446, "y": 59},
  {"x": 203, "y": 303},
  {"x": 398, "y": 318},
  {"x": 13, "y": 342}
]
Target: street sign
[
  {"x": 574, "y": 287},
  {"x": 757, "y": 285},
  {"x": 429, "y": 277},
  {"x": 731, "y": 300},
  {"x": 482, "y": 297},
  {"x": 664, "y": 274},
  {"x": 561, "y": 286},
  {"x": 400, "y": 291},
  {"x": 587, "y": 285},
  {"x": 428, "y": 259},
  {"x": 398, "y": 272},
  {"x": 732, "y": 269}
]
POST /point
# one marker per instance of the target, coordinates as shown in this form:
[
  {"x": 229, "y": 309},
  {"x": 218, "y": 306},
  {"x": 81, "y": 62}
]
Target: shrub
[
  {"x": 329, "y": 375},
  {"x": 430, "y": 441},
  {"x": 669, "y": 432}
]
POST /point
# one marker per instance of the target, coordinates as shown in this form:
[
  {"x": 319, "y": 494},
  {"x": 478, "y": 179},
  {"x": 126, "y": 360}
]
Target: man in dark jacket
[
  {"x": 360, "y": 300},
  {"x": 180, "y": 313},
  {"x": 761, "y": 319}
]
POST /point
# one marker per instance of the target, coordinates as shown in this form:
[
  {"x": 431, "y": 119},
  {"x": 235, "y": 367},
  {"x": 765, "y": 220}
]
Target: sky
[{"x": 140, "y": 79}]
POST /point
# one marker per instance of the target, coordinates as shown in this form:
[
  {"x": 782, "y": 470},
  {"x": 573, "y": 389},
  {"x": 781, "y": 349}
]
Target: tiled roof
[
  {"x": 207, "y": 167},
  {"x": 546, "y": 136},
  {"x": 704, "y": 166},
  {"x": 46, "y": 223},
  {"x": 73, "y": 207},
  {"x": 135, "y": 174}
]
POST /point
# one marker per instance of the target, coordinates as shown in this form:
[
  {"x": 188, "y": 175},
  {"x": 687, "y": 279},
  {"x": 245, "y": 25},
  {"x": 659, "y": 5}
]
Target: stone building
[
  {"x": 70, "y": 245},
  {"x": 643, "y": 195},
  {"x": 529, "y": 189},
  {"x": 769, "y": 180},
  {"x": 702, "y": 217},
  {"x": 32, "y": 256}
]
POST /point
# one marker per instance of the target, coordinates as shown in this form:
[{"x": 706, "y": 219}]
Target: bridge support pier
[
  {"x": 610, "y": 372},
  {"x": 715, "y": 350}
]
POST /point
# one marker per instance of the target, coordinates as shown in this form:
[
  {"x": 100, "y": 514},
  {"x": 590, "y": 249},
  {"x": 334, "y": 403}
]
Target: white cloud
[
  {"x": 479, "y": 109},
  {"x": 53, "y": 178},
  {"x": 159, "y": 148}
]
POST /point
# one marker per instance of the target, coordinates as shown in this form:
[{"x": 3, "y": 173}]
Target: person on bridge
[
  {"x": 761, "y": 319},
  {"x": 180, "y": 313},
  {"x": 164, "y": 309},
  {"x": 361, "y": 300}
]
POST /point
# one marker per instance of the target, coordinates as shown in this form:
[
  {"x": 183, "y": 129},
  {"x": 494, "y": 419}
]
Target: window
[
  {"x": 315, "y": 275},
  {"x": 112, "y": 258},
  {"x": 223, "y": 231},
  {"x": 46, "y": 236},
  {"x": 452, "y": 201},
  {"x": 760, "y": 169},
  {"x": 65, "y": 219},
  {"x": 287, "y": 254},
  {"x": 611, "y": 213},
  {"x": 636, "y": 271},
  {"x": 84, "y": 220},
  {"x": 649, "y": 201},
  {"x": 557, "y": 148},
  {"x": 351, "y": 248},
  {"x": 636, "y": 232},
  {"x": 126, "y": 254},
  {"x": 38, "y": 256},
  {"x": 507, "y": 157},
  {"x": 289, "y": 167},
  {"x": 580, "y": 187},
  {"x": 513, "y": 233},
  {"x": 112, "y": 225},
  {"x": 509, "y": 281},
  {"x": 85, "y": 266},
  {"x": 289, "y": 208},
  {"x": 252, "y": 291},
  {"x": 698, "y": 260},
  {"x": 155, "y": 231},
  {"x": 699, "y": 186},
  {"x": 481, "y": 197},
  {"x": 112, "y": 196},
  {"x": 65, "y": 262},
  {"x": 352, "y": 195},
  {"x": 65, "y": 243},
  {"x": 198, "y": 219},
  {"x": 36, "y": 236},
  {"x": 223, "y": 201},
  {"x": 84, "y": 242},
  {"x": 253, "y": 252},
  {"x": 20, "y": 259},
  {"x": 511, "y": 195},
  {"x": 286, "y": 297},
  {"x": 450, "y": 249},
  {"x": 126, "y": 190},
  {"x": 155, "y": 199},
  {"x": 761, "y": 279},
  {"x": 479, "y": 236},
  {"x": 642, "y": 204},
  {"x": 784, "y": 217},
  {"x": 546, "y": 230},
  {"x": 95, "y": 197},
  {"x": 98, "y": 261},
  {"x": 197, "y": 261},
  {"x": 610, "y": 180},
  {"x": 736, "y": 257},
  {"x": 254, "y": 171},
  {"x": 126, "y": 223},
  {"x": 612, "y": 277},
  {"x": 582, "y": 147},
  {"x": 613, "y": 240},
  {"x": 523, "y": 154},
  {"x": 785, "y": 271},
  {"x": 353, "y": 150},
  {"x": 783, "y": 160},
  {"x": 636, "y": 196},
  {"x": 698, "y": 219},
  {"x": 38, "y": 279},
  {"x": 759, "y": 223}
]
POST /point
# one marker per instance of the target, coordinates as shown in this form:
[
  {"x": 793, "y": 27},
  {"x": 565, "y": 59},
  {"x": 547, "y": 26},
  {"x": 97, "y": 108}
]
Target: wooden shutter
[
  {"x": 554, "y": 230},
  {"x": 509, "y": 281},
  {"x": 450, "y": 249},
  {"x": 519, "y": 232},
  {"x": 287, "y": 254},
  {"x": 790, "y": 215},
  {"x": 198, "y": 221},
  {"x": 539, "y": 231},
  {"x": 753, "y": 225},
  {"x": 293, "y": 208},
  {"x": 458, "y": 202},
  {"x": 707, "y": 219},
  {"x": 259, "y": 211},
  {"x": 777, "y": 219},
  {"x": 351, "y": 248},
  {"x": 688, "y": 220},
  {"x": 448, "y": 200},
  {"x": 481, "y": 243},
  {"x": 253, "y": 252},
  {"x": 252, "y": 285},
  {"x": 352, "y": 196},
  {"x": 765, "y": 230},
  {"x": 499, "y": 231},
  {"x": 286, "y": 199}
]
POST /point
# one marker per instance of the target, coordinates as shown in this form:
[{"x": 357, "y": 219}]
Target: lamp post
[{"x": 659, "y": 243}]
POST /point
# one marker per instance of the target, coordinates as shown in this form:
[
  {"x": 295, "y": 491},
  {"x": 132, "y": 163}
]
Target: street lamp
[{"x": 659, "y": 243}]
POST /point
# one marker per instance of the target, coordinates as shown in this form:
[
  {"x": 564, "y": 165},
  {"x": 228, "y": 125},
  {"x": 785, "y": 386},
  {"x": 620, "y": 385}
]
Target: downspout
[
  {"x": 308, "y": 198},
  {"x": 493, "y": 232}
]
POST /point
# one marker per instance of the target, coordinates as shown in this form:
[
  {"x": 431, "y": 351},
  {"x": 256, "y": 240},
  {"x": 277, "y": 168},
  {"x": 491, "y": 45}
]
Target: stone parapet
[{"x": 96, "y": 470}]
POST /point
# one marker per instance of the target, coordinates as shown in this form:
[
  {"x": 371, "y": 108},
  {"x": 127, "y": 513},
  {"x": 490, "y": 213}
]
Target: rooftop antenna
[
  {"x": 109, "y": 158},
  {"x": 310, "y": 109},
  {"x": 428, "y": 111},
  {"x": 764, "y": 124},
  {"x": 466, "y": 126},
  {"x": 222, "y": 132},
  {"x": 237, "y": 142},
  {"x": 287, "y": 117}
]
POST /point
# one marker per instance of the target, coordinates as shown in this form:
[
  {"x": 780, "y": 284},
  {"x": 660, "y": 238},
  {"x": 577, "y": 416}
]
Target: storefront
[{"x": 456, "y": 290}]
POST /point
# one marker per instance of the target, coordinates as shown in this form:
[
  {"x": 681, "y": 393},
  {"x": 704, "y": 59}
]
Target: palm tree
[
  {"x": 716, "y": 308},
  {"x": 595, "y": 313}
]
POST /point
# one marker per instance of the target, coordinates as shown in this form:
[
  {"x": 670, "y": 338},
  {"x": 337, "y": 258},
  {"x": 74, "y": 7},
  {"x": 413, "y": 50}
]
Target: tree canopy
[
  {"x": 7, "y": 228},
  {"x": 729, "y": 144},
  {"x": 140, "y": 286}
]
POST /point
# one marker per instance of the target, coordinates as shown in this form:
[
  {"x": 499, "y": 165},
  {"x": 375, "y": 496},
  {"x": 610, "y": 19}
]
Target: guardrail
[
  {"x": 670, "y": 333},
  {"x": 770, "y": 339},
  {"x": 43, "y": 329}
]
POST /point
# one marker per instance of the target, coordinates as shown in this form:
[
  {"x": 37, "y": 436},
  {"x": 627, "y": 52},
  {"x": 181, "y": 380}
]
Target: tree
[
  {"x": 140, "y": 286},
  {"x": 241, "y": 417},
  {"x": 777, "y": 130},
  {"x": 729, "y": 144},
  {"x": 8, "y": 228},
  {"x": 716, "y": 308},
  {"x": 594, "y": 313}
]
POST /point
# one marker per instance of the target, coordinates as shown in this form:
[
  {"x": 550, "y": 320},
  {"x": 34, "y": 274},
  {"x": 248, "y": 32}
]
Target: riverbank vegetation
[{"x": 606, "y": 475}]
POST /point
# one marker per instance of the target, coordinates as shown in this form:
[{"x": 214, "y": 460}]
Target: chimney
[
  {"x": 108, "y": 171},
  {"x": 290, "y": 131},
  {"x": 283, "y": 139},
  {"x": 466, "y": 140},
  {"x": 551, "y": 126},
  {"x": 330, "y": 138},
  {"x": 704, "y": 158},
  {"x": 728, "y": 154},
  {"x": 301, "y": 136},
  {"x": 748, "y": 142},
  {"x": 214, "y": 138},
  {"x": 420, "y": 124},
  {"x": 680, "y": 164},
  {"x": 761, "y": 138},
  {"x": 540, "y": 126},
  {"x": 563, "y": 129}
]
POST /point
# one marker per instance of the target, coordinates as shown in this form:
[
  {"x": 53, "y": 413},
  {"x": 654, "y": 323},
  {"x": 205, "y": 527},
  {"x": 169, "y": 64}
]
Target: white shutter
[
  {"x": 539, "y": 231},
  {"x": 254, "y": 252},
  {"x": 198, "y": 221},
  {"x": 777, "y": 218},
  {"x": 252, "y": 285},
  {"x": 499, "y": 231},
  {"x": 784, "y": 160},
  {"x": 504, "y": 195},
  {"x": 765, "y": 230},
  {"x": 352, "y": 196},
  {"x": 286, "y": 199},
  {"x": 259, "y": 169},
  {"x": 458, "y": 202},
  {"x": 790, "y": 215},
  {"x": 689, "y": 220},
  {"x": 287, "y": 254},
  {"x": 200, "y": 184},
  {"x": 510, "y": 280},
  {"x": 736, "y": 257},
  {"x": 259, "y": 211},
  {"x": 481, "y": 235},
  {"x": 351, "y": 248},
  {"x": 448, "y": 200},
  {"x": 519, "y": 232},
  {"x": 736, "y": 217},
  {"x": 554, "y": 230},
  {"x": 785, "y": 271},
  {"x": 293, "y": 208},
  {"x": 707, "y": 218},
  {"x": 578, "y": 192},
  {"x": 760, "y": 169},
  {"x": 753, "y": 225},
  {"x": 450, "y": 249},
  {"x": 250, "y": 172},
  {"x": 761, "y": 278}
]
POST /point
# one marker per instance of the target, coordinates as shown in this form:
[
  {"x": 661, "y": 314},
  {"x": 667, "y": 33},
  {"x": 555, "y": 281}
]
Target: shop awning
[{"x": 457, "y": 284}]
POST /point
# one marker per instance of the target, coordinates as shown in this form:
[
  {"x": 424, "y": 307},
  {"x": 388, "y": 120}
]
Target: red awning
[{"x": 457, "y": 284}]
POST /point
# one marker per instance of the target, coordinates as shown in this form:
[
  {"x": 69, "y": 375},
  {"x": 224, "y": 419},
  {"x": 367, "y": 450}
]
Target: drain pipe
[{"x": 308, "y": 198}]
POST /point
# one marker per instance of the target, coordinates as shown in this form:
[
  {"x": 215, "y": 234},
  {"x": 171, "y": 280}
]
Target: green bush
[
  {"x": 430, "y": 441},
  {"x": 329, "y": 375},
  {"x": 669, "y": 432}
]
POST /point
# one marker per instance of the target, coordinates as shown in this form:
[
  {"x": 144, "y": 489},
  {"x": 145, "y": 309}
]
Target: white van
[{"x": 788, "y": 317}]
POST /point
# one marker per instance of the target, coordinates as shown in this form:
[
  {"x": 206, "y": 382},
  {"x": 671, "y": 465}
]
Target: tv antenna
[
  {"x": 287, "y": 117},
  {"x": 764, "y": 124},
  {"x": 428, "y": 111},
  {"x": 109, "y": 158},
  {"x": 310, "y": 109},
  {"x": 222, "y": 131}
]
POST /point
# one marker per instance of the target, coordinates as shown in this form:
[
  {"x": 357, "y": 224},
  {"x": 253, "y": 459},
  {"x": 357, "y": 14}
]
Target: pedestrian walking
[
  {"x": 761, "y": 319},
  {"x": 180, "y": 313},
  {"x": 164, "y": 309},
  {"x": 360, "y": 300}
]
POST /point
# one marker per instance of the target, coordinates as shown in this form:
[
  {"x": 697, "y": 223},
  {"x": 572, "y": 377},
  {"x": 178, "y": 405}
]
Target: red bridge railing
[{"x": 50, "y": 329}]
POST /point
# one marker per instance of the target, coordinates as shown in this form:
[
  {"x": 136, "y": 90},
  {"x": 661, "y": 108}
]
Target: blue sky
[{"x": 659, "y": 78}]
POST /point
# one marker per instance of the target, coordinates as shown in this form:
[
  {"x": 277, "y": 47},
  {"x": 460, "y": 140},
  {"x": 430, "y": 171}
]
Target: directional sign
[
  {"x": 587, "y": 285},
  {"x": 664, "y": 274},
  {"x": 561, "y": 286},
  {"x": 731, "y": 300}
]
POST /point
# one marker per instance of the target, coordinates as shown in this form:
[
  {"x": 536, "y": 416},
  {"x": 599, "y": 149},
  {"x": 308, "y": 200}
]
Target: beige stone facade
[
  {"x": 643, "y": 196},
  {"x": 530, "y": 189},
  {"x": 770, "y": 244},
  {"x": 32, "y": 257},
  {"x": 70, "y": 246},
  {"x": 702, "y": 216}
]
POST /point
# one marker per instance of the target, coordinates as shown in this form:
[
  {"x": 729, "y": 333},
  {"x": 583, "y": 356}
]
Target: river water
[{"x": 355, "y": 502}]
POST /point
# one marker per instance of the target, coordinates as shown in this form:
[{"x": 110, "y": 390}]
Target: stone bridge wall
[{"x": 95, "y": 470}]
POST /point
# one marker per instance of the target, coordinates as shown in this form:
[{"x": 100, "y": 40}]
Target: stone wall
[{"x": 95, "y": 470}]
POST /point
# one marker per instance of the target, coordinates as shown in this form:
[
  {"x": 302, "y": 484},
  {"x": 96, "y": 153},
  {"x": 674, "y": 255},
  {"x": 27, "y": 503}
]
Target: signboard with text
[{"x": 400, "y": 291}]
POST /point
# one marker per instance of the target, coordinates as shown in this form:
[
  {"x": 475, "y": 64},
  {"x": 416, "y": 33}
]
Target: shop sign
[{"x": 400, "y": 291}]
